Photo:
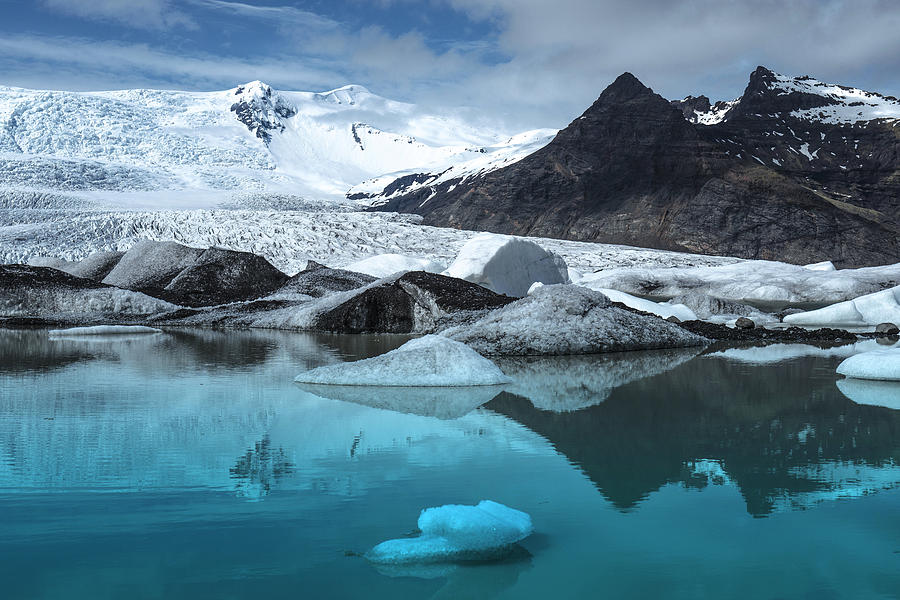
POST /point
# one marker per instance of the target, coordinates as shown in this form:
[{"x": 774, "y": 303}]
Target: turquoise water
[{"x": 189, "y": 465}]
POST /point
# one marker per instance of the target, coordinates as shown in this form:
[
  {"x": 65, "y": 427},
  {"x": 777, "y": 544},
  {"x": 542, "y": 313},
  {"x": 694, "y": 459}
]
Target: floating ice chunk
[
  {"x": 883, "y": 365},
  {"x": 874, "y": 393},
  {"x": 534, "y": 286},
  {"x": 871, "y": 309},
  {"x": 428, "y": 361},
  {"x": 825, "y": 265},
  {"x": 385, "y": 265},
  {"x": 568, "y": 319},
  {"x": 507, "y": 265},
  {"x": 104, "y": 330},
  {"x": 456, "y": 532},
  {"x": 660, "y": 309}
]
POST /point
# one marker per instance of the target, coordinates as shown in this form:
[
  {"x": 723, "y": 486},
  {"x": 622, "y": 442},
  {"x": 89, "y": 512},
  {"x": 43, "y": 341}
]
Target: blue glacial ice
[{"x": 457, "y": 532}]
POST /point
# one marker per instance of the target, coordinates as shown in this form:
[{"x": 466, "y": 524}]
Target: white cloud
[
  {"x": 140, "y": 14},
  {"x": 23, "y": 58},
  {"x": 559, "y": 55}
]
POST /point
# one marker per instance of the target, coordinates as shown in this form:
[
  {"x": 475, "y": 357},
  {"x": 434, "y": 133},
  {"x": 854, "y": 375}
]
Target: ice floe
[
  {"x": 568, "y": 319},
  {"x": 428, "y": 361},
  {"x": 507, "y": 265},
  {"x": 870, "y": 309},
  {"x": 458, "y": 532},
  {"x": 883, "y": 365}
]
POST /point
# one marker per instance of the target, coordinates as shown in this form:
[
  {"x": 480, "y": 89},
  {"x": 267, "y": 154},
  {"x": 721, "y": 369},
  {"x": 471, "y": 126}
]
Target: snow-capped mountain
[
  {"x": 170, "y": 149},
  {"x": 794, "y": 169}
]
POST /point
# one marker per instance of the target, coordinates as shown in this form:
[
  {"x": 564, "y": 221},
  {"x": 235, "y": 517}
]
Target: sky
[{"x": 519, "y": 63}]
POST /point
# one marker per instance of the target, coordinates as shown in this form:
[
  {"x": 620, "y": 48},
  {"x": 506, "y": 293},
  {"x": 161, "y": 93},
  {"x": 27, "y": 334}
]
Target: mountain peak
[{"x": 625, "y": 87}]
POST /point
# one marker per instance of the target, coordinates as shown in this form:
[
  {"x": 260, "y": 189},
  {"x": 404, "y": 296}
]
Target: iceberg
[
  {"x": 883, "y": 365},
  {"x": 429, "y": 361},
  {"x": 507, "y": 265},
  {"x": 385, "y": 265},
  {"x": 458, "y": 532},
  {"x": 871, "y": 309},
  {"x": 568, "y": 319}
]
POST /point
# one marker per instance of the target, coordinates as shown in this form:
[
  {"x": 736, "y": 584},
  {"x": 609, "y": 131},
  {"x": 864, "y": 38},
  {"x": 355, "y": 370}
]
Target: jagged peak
[{"x": 625, "y": 87}]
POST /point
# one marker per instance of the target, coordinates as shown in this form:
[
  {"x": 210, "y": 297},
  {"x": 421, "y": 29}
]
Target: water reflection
[
  {"x": 442, "y": 403},
  {"x": 126, "y": 470},
  {"x": 567, "y": 383},
  {"x": 778, "y": 432}
]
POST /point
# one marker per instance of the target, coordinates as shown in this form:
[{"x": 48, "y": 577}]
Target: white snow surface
[
  {"x": 190, "y": 150},
  {"x": 457, "y": 532},
  {"x": 507, "y": 264},
  {"x": 104, "y": 330},
  {"x": 870, "y": 309},
  {"x": 660, "y": 309},
  {"x": 568, "y": 319},
  {"x": 385, "y": 265},
  {"x": 882, "y": 365},
  {"x": 429, "y": 361}
]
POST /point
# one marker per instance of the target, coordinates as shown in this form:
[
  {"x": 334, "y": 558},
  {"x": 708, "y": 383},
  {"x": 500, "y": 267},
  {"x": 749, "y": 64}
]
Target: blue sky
[{"x": 525, "y": 63}]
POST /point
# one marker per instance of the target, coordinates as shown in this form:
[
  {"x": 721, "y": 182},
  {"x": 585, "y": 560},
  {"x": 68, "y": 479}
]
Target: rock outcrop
[{"x": 414, "y": 302}]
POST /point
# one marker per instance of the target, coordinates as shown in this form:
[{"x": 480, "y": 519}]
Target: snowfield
[{"x": 189, "y": 149}]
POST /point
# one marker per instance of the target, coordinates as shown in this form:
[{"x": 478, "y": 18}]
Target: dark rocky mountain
[{"x": 794, "y": 170}]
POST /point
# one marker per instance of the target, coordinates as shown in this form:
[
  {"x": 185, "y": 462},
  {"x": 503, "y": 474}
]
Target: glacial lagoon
[{"x": 188, "y": 465}]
